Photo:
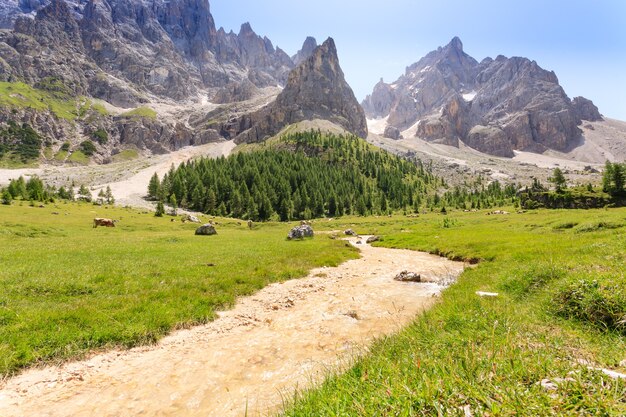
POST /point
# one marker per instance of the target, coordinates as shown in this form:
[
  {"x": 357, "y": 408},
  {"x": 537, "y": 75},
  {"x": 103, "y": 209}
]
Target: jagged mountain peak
[
  {"x": 316, "y": 89},
  {"x": 309, "y": 45},
  {"x": 325, "y": 59},
  {"x": 246, "y": 29},
  {"x": 455, "y": 45},
  {"x": 495, "y": 106}
]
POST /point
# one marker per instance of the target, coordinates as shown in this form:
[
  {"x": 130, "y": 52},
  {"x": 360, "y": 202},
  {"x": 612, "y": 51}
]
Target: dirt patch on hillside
[{"x": 285, "y": 337}]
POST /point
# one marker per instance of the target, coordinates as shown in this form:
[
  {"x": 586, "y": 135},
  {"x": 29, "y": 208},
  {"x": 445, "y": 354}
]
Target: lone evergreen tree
[
  {"x": 84, "y": 193},
  {"x": 558, "y": 179},
  {"x": 160, "y": 209},
  {"x": 108, "y": 195},
  {"x": 6, "y": 197},
  {"x": 101, "y": 198}
]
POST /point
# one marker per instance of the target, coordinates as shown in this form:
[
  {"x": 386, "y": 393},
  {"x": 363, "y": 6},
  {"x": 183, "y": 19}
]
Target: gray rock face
[
  {"x": 380, "y": 102},
  {"x": 300, "y": 232},
  {"x": 169, "y": 49},
  {"x": 495, "y": 106},
  {"x": 235, "y": 92},
  {"x": 130, "y": 52},
  {"x": 392, "y": 133},
  {"x": 307, "y": 50},
  {"x": 206, "y": 230},
  {"x": 316, "y": 89},
  {"x": 586, "y": 110}
]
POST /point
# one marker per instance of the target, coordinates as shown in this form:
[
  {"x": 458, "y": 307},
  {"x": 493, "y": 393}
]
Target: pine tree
[
  {"x": 84, "y": 194},
  {"x": 101, "y": 198},
  {"x": 211, "y": 202},
  {"x": 160, "y": 209},
  {"x": 173, "y": 205},
  {"x": 153, "y": 187},
  {"x": 108, "y": 195},
  {"x": 558, "y": 179},
  {"x": 6, "y": 197}
]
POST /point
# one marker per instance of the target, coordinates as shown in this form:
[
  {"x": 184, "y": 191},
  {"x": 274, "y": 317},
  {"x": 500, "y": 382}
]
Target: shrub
[
  {"x": 6, "y": 197},
  {"x": 160, "y": 209},
  {"x": 101, "y": 136},
  {"x": 88, "y": 148}
]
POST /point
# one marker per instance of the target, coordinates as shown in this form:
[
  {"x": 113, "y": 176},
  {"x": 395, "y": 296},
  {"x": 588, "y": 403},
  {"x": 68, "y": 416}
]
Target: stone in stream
[
  {"x": 350, "y": 232},
  {"x": 206, "y": 230},
  {"x": 406, "y": 276},
  {"x": 372, "y": 239}
]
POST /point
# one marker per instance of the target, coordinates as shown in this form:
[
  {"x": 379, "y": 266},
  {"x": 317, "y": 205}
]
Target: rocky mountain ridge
[
  {"x": 166, "y": 49},
  {"x": 316, "y": 89},
  {"x": 495, "y": 106},
  {"x": 142, "y": 55}
]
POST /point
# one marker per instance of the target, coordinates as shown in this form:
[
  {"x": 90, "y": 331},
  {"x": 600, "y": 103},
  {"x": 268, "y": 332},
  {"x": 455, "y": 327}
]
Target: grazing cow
[{"x": 103, "y": 222}]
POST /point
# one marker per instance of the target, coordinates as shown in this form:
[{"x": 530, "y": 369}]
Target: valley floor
[
  {"x": 128, "y": 180},
  {"x": 252, "y": 357}
]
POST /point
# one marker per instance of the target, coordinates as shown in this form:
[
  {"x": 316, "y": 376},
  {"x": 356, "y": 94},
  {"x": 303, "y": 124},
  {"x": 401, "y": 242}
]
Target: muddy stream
[{"x": 285, "y": 337}]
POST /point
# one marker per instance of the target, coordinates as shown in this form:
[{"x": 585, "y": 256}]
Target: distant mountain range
[
  {"x": 495, "y": 106},
  {"x": 158, "y": 75}
]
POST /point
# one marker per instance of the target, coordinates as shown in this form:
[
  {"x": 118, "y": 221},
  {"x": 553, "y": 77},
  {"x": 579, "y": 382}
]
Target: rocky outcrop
[
  {"x": 206, "y": 230},
  {"x": 380, "y": 102},
  {"x": 131, "y": 52},
  {"x": 300, "y": 232},
  {"x": 392, "y": 133},
  {"x": 235, "y": 92},
  {"x": 495, "y": 106},
  {"x": 586, "y": 110},
  {"x": 306, "y": 51},
  {"x": 316, "y": 89},
  {"x": 169, "y": 49}
]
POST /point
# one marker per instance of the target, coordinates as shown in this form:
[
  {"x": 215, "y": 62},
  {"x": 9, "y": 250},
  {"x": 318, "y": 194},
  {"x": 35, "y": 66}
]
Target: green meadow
[
  {"x": 561, "y": 310},
  {"x": 67, "y": 288}
]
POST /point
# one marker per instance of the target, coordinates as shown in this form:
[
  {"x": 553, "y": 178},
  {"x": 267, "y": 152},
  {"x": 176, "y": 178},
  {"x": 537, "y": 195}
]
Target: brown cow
[{"x": 103, "y": 222}]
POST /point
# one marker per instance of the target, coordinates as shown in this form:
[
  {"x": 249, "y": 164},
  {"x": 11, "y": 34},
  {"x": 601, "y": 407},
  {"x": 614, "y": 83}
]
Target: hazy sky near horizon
[{"x": 584, "y": 42}]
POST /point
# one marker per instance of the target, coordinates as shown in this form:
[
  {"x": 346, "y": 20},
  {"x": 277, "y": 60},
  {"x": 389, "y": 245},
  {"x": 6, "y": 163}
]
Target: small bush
[
  {"x": 604, "y": 306},
  {"x": 65, "y": 147},
  {"x": 448, "y": 223},
  {"x": 101, "y": 136},
  {"x": 88, "y": 148}
]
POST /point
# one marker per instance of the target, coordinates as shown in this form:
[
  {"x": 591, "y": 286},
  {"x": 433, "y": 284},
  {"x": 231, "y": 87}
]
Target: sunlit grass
[
  {"x": 66, "y": 288},
  {"x": 561, "y": 287}
]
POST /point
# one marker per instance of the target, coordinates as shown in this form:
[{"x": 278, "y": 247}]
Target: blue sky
[{"x": 584, "y": 42}]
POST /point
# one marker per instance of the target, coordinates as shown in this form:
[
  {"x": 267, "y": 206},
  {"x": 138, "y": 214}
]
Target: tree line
[
  {"x": 310, "y": 175},
  {"x": 35, "y": 190}
]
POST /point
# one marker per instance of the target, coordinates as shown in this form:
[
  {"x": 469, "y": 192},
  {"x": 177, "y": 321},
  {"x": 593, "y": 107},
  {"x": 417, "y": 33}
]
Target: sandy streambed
[{"x": 253, "y": 357}]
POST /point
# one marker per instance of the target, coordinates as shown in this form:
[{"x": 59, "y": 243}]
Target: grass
[
  {"x": 141, "y": 112},
  {"x": 20, "y": 95},
  {"x": 78, "y": 157},
  {"x": 13, "y": 161},
  {"x": 67, "y": 289},
  {"x": 562, "y": 299},
  {"x": 126, "y": 155},
  {"x": 48, "y": 153},
  {"x": 61, "y": 156}
]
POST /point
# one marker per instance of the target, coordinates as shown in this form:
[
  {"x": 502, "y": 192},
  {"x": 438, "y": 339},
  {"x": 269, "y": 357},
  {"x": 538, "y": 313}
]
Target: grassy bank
[
  {"x": 67, "y": 289},
  {"x": 561, "y": 307}
]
